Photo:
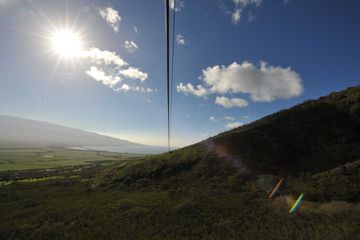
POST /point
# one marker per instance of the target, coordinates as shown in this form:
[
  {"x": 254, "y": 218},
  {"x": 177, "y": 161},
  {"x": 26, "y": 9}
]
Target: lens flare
[
  {"x": 296, "y": 204},
  {"x": 276, "y": 187}
]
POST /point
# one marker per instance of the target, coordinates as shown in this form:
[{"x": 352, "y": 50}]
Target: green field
[{"x": 46, "y": 157}]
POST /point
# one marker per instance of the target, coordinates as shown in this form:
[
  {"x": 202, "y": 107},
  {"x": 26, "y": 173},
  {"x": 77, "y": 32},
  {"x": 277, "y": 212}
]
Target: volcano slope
[
  {"x": 216, "y": 189},
  {"x": 314, "y": 145},
  {"x": 310, "y": 138}
]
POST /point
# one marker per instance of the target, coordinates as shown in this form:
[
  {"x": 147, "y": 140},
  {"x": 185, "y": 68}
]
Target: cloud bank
[
  {"x": 263, "y": 83},
  {"x": 110, "y": 69}
]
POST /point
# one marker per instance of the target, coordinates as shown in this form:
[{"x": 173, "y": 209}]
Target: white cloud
[
  {"x": 100, "y": 76},
  {"x": 105, "y": 57},
  {"x": 226, "y": 118},
  {"x": 110, "y": 70},
  {"x": 111, "y": 16},
  {"x": 233, "y": 125},
  {"x": 126, "y": 88},
  {"x": 229, "y": 118},
  {"x": 180, "y": 40},
  {"x": 213, "y": 119},
  {"x": 264, "y": 83},
  {"x": 199, "y": 91},
  {"x": 123, "y": 88},
  {"x": 235, "y": 16},
  {"x": 239, "y": 7},
  {"x": 131, "y": 46},
  {"x": 179, "y": 5},
  {"x": 231, "y": 102},
  {"x": 134, "y": 73},
  {"x": 135, "y": 29}
]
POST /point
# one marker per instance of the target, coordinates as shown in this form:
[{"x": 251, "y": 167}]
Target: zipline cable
[
  {"x": 169, "y": 78},
  {"x": 167, "y": 27},
  {"x": 172, "y": 63}
]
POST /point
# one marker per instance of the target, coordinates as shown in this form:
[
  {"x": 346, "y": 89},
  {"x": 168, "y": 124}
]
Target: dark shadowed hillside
[{"x": 309, "y": 138}]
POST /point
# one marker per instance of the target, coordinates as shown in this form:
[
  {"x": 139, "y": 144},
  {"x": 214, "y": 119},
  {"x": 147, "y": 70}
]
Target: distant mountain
[
  {"x": 24, "y": 132},
  {"x": 310, "y": 138}
]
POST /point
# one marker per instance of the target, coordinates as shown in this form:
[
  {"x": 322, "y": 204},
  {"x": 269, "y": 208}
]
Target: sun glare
[{"x": 66, "y": 43}]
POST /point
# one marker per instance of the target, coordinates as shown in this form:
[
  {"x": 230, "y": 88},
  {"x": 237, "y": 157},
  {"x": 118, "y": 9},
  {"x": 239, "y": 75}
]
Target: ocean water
[{"x": 127, "y": 149}]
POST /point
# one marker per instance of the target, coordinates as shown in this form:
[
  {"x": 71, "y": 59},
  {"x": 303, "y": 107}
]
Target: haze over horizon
[
  {"x": 17, "y": 131},
  {"x": 100, "y": 66}
]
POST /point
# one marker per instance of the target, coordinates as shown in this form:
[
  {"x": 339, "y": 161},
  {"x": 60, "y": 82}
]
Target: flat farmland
[{"x": 47, "y": 157}]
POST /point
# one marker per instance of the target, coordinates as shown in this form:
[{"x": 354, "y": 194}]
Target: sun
[{"x": 66, "y": 43}]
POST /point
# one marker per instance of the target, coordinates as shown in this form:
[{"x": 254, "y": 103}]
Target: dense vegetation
[
  {"x": 229, "y": 208},
  {"x": 216, "y": 189}
]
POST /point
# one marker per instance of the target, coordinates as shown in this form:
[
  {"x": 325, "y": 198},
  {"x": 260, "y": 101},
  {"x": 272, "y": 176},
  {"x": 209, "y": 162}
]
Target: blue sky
[{"x": 235, "y": 61}]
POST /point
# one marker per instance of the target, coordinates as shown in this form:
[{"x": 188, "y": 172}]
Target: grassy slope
[
  {"x": 232, "y": 209},
  {"x": 309, "y": 138},
  {"x": 204, "y": 191}
]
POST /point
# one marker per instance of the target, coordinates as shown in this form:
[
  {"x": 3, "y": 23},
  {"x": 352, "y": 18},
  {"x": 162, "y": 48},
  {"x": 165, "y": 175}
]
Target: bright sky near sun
[{"x": 100, "y": 65}]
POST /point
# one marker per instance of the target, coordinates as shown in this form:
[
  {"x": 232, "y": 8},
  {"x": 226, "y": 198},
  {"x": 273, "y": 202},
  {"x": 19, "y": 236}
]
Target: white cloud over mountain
[
  {"x": 263, "y": 83},
  {"x": 233, "y": 125}
]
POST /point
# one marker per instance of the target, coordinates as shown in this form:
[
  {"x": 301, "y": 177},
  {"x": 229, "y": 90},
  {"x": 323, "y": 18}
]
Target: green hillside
[
  {"x": 216, "y": 189},
  {"x": 309, "y": 138}
]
